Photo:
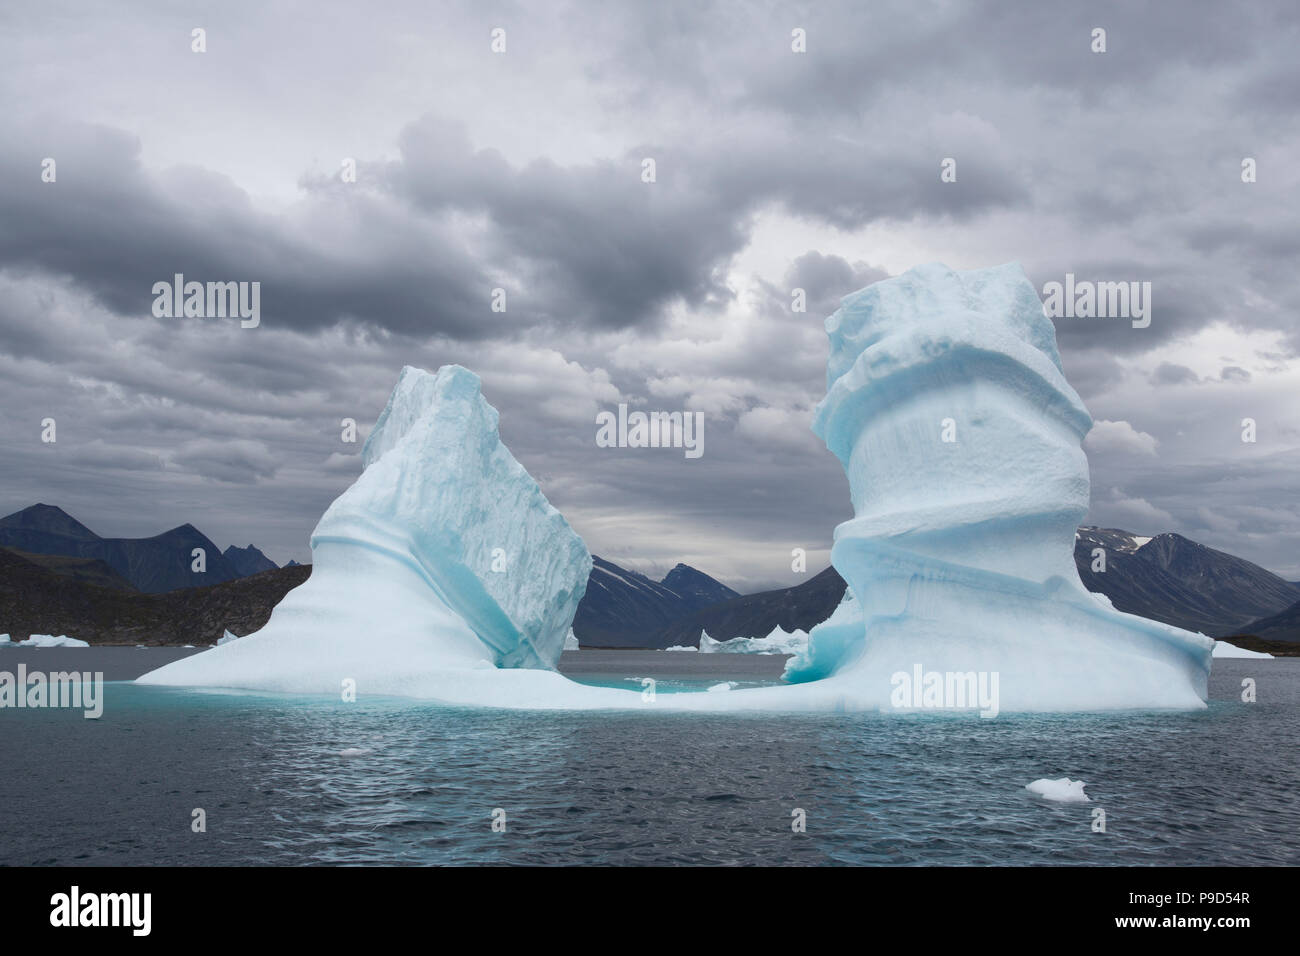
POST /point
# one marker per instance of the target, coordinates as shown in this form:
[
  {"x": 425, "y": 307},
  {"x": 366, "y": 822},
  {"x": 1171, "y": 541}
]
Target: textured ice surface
[
  {"x": 443, "y": 556},
  {"x": 1064, "y": 790}
]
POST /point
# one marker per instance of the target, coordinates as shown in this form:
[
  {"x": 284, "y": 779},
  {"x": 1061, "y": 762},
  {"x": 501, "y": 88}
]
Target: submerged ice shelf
[{"x": 961, "y": 440}]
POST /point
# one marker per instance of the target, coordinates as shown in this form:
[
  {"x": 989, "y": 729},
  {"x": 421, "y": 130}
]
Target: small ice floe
[
  {"x": 682, "y": 647},
  {"x": 354, "y": 752},
  {"x": 1064, "y": 790},
  {"x": 571, "y": 641},
  {"x": 725, "y": 685},
  {"x": 227, "y": 639},
  {"x": 49, "y": 640},
  {"x": 1224, "y": 649}
]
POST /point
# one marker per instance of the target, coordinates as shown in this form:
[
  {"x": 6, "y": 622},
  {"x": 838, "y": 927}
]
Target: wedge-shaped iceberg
[
  {"x": 960, "y": 437},
  {"x": 443, "y": 557}
]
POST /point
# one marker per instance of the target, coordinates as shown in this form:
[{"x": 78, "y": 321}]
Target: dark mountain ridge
[
  {"x": 625, "y": 608},
  {"x": 756, "y": 615},
  {"x": 154, "y": 565},
  {"x": 1173, "y": 579},
  {"x": 37, "y": 600},
  {"x": 248, "y": 560}
]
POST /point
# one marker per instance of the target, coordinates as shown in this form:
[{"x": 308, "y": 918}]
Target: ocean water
[{"x": 305, "y": 781}]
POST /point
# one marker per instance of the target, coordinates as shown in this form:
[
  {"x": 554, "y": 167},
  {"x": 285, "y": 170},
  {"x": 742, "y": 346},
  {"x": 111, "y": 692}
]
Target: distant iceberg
[
  {"x": 443, "y": 557},
  {"x": 44, "y": 640},
  {"x": 779, "y": 641},
  {"x": 571, "y": 641}
]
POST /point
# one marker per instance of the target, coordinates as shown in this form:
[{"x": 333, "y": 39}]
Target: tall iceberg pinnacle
[
  {"x": 961, "y": 440},
  {"x": 444, "y": 555}
]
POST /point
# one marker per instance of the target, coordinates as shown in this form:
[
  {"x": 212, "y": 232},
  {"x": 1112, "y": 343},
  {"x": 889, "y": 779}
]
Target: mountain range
[
  {"x": 1170, "y": 578},
  {"x": 625, "y": 608},
  {"x": 154, "y": 565},
  {"x": 36, "y": 599},
  {"x": 58, "y": 576}
]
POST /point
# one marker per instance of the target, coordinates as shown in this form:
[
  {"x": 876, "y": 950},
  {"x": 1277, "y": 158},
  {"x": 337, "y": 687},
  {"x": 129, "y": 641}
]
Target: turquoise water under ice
[{"x": 304, "y": 780}]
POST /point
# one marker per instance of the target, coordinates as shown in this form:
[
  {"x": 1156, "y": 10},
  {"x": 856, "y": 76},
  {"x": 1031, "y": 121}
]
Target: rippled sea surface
[{"x": 301, "y": 781}]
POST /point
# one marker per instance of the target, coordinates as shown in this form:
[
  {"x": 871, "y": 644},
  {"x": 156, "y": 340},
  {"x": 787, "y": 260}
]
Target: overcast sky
[{"x": 523, "y": 170}]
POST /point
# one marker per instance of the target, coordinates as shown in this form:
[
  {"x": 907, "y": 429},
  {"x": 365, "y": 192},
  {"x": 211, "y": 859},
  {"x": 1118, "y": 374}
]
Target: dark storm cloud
[
  {"x": 828, "y": 278},
  {"x": 114, "y": 228},
  {"x": 588, "y": 245},
  {"x": 1169, "y": 373},
  {"x": 1091, "y": 371},
  {"x": 595, "y": 243}
]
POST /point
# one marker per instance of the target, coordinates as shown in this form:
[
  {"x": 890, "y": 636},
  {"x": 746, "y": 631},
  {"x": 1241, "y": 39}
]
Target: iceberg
[
  {"x": 571, "y": 641},
  {"x": 1224, "y": 649},
  {"x": 779, "y": 641},
  {"x": 45, "y": 640},
  {"x": 444, "y": 573},
  {"x": 1064, "y": 790},
  {"x": 961, "y": 440},
  {"x": 442, "y": 559}
]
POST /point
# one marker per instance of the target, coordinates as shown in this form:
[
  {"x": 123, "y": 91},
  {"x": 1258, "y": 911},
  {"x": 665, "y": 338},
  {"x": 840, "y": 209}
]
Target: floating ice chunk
[
  {"x": 779, "y": 641},
  {"x": 49, "y": 640},
  {"x": 681, "y": 647},
  {"x": 226, "y": 639},
  {"x": 443, "y": 553},
  {"x": 725, "y": 685},
  {"x": 571, "y": 641},
  {"x": 1224, "y": 649},
  {"x": 1064, "y": 790}
]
